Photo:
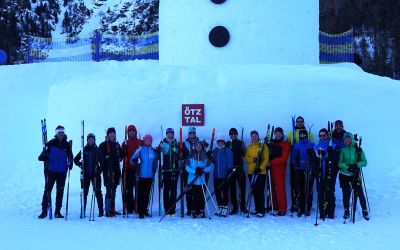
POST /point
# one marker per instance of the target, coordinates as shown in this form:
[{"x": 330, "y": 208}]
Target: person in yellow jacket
[{"x": 257, "y": 157}]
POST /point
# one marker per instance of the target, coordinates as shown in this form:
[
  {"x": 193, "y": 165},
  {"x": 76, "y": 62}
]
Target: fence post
[
  {"x": 97, "y": 41},
  {"x": 28, "y": 54}
]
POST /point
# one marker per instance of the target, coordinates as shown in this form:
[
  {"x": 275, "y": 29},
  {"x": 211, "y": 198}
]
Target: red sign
[{"x": 192, "y": 114}]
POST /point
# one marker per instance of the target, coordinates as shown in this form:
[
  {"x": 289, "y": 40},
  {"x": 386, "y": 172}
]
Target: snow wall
[{"x": 262, "y": 31}]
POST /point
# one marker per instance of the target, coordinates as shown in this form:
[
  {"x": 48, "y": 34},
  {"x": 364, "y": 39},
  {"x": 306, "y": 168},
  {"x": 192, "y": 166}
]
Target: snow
[
  {"x": 261, "y": 31},
  {"x": 150, "y": 95}
]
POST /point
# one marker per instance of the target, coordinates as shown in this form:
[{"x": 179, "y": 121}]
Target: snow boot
[
  {"x": 260, "y": 215},
  {"x": 58, "y": 215},
  {"x": 346, "y": 215},
  {"x": 365, "y": 215},
  {"x": 43, "y": 214}
]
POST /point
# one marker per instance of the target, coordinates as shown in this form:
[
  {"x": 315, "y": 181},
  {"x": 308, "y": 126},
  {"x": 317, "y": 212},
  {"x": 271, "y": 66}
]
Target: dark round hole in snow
[
  {"x": 218, "y": 1},
  {"x": 219, "y": 36}
]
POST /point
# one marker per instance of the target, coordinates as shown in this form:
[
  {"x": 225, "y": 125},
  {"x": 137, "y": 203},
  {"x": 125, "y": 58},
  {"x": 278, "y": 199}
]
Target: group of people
[{"x": 193, "y": 161}]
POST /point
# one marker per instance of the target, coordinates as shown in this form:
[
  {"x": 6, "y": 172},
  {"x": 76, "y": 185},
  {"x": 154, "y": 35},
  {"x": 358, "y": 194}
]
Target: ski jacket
[
  {"x": 279, "y": 153},
  {"x": 253, "y": 152},
  {"x": 188, "y": 148},
  {"x": 128, "y": 148},
  {"x": 223, "y": 162},
  {"x": 170, "y": 151},
  {"x": 323, "y": 153},
  {"x": 238, "y": 149},
  {"x": 197, "y": 160},
  {"x": 59, "y": 155},
  {"x": 299, "y": 157},
  {"x": 91, "y": 160},
  {"x": 148, "y": 161},
  {"x": 290, "y": 136},
  {"x": 110, "y": 156},
  {"x": 337, "y": 138},
  {"x": 351, "y": 155}
]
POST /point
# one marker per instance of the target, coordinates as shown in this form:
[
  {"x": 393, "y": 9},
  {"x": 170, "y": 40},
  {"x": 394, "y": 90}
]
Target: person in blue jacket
[
  {"x": 197, "y": 164},
  {"x": 58, "y": 154},
  {"x": 304, "y": 177},
  {"x": 147, "y": 157},
  {"x": 222, "y": 159}
]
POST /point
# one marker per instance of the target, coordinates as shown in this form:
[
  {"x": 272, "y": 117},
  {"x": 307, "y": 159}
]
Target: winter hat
[
  {"x": 60, "y": 129},
  {"x": 299, "y": 118},
  {"x": 132, "y": 127},
  {"x": 303, "y": 132},
  {"x": 254, "y": 132},
  {"x": 338, "y": 123},
  {"x": 347, "y": 135},
  {"x": 220, "y": 138},
  {"x": 233, "y": 131},
  {"x": 169, "y": 130},
  {"x": 279, "y": 129},
  {"x": 324, "y": 130},
  {"x": 148, "y": 138},
  {"x": 111, "y": 130},
  {"x": 192, "y": 129},
  {"x": 91, "y": 135}
]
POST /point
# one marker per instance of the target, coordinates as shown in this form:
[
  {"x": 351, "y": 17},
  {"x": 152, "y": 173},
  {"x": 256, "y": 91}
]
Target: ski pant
[
  {"x": 96, "y": 184},
  {"x": 278, "y": 191},
  {"x": 238, "y": 177},
  {"x": 111, "y": 188},
  {"x": 144, "y": 195},
  {"x": 129, "y": 183},
  {"x": 305, "y": 190},
  {"x": 257, "y": 188},
  {"x": 59, "y": 179},
  {"x": 197, "y": 196},
  {"x": 347, "y": 183},
  {"x": 185, "y": 176},
  {"x": 170, "y": 181},
  {"x": 326, "y": 197},
  {"x": 222, "y": 193}
]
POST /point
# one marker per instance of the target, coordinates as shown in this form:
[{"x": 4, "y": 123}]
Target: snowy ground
[{"x": 150, "y": 95}]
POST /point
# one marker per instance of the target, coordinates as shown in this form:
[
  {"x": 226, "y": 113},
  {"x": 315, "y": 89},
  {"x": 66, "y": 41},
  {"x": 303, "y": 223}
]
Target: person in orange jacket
[
  {"x": 257, "y": 157},
  {"x": 279, "y": 153}
]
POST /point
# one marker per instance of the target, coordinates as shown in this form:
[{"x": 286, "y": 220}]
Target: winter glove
[
  {"x": 257, "y": 171},
  {"x": 353, "y": 168},
  {"x": 205, "y": 144},
  {"x": 199, "y": 171},
  {"x": 134, "y": 160},
  {"x": 330, "y": 149},
  {"x": 255, "y": 160},
  {"x": 321, "y": 152},
  {"x": 69, "y": 166},
  {"x": 43, "y": 156},
  {"x": 310, "y": 151}
]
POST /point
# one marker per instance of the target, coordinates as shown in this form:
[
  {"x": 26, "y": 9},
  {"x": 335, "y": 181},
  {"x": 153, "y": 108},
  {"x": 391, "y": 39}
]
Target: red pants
[{"x": 278, "y": 187}]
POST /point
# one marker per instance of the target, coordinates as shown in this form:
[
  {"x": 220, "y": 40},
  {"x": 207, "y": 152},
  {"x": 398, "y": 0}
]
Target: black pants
[
  {"x": 347, "y": 183},
  {"x": 52, "y": 178},
  {"x": 258, "y": 191},
  {"x": 96, "y": 183},
  {"x": 111, "y": 188},
  {"x": 305, "y": 191},
  {"x": 222, "y": 193},
  {"x": 197, "y": 196},
  {"x": 170, "y": 180},
  {"x": 130, "y": 184},
  {"x": 144, "y": 195},
  {"x": 240, "y": 178},
  {"x": 326, "y": 193}
]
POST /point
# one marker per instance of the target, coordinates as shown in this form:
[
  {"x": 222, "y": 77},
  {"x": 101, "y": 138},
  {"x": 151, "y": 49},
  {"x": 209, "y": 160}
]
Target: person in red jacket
[
  {"x": 129, "y": 147},
  {"x": 279, "y": 153}
]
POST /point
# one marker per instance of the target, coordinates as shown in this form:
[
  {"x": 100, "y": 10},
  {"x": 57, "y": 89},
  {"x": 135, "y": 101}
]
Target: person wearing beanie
[
  {"x": 352, "y": 158},
  {"x": 302, "y": 163},
  {"x": 110, "y": 156},
  {"x": 169, "y": 147},
  {"x": 337, "y": 134},
  {"x": 239, "y": 176},
  {"x": 279, "y": 154},
  {"x": 222, "y": 158},
  {"x": 257, "y": 158},
  {"x": 91, "y": 171},
  {"x": 128, "y": 148},
  {"x": 58, "y": 155},
  {"x": 147, "y": 156},
  {"x": 197, "y": 164}
]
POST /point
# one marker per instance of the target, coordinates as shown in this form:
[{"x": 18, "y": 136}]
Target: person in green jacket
[{"x": 351, "y": 160}]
